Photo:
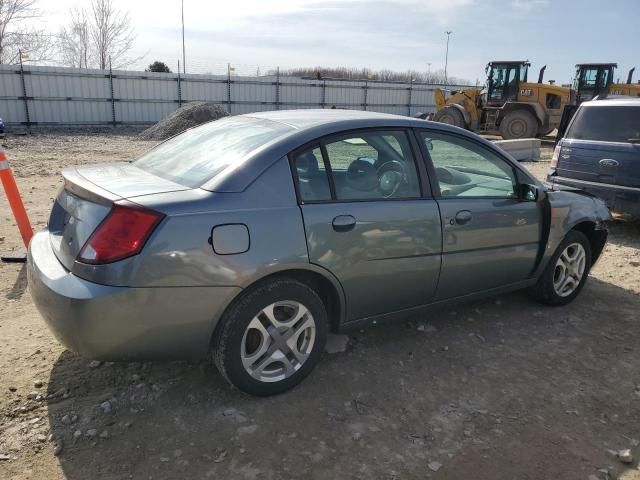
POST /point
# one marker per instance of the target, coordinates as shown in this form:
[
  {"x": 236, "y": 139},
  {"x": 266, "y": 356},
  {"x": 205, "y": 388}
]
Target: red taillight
[
  {"x": 556, "y": 156},
  {"x": 122, "y": 233}
]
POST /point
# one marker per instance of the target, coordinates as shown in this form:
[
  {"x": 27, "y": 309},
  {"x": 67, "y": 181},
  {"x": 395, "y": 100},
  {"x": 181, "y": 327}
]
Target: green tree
[{"x": 158, "y": 66}]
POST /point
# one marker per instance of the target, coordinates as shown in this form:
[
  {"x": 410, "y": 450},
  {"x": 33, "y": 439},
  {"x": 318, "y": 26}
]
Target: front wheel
[
  {"x": 270, "y": 339},
  {"x": 449, "y": 115},
  {"x": 518, "y": 124},
  {"x": 566, "y": 272}
]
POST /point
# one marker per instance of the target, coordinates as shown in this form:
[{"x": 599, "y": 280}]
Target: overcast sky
[{"x": 398, "y": 35}]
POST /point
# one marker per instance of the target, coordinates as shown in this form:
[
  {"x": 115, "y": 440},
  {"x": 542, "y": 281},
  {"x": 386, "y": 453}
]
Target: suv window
[
  {"x": 465, "y": 169},
  {"x": 375, "y": 165},
  {"x": 606, "y": 124}
]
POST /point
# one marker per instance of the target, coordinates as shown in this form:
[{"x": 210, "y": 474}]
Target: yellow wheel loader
[
  {"x": 508, "y": 105},
  {"x": 595, "y": 80}
]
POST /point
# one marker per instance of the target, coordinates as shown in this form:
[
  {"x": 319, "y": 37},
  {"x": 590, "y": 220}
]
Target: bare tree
[
  {"x": 18, "y": 34},
  {"x": 112, "y": 34},
  {"x": 74, "y": 40},
  {"x": 386, "y": 75}
]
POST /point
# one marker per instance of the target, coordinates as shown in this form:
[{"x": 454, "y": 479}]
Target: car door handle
[
  {"x": 463, "y": 217},
  {"x": 343, "y": 223},
  {"x": 608, "y": 162}
]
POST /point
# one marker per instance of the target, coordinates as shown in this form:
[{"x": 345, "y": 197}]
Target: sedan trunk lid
[{"x": 88, "y": 196}]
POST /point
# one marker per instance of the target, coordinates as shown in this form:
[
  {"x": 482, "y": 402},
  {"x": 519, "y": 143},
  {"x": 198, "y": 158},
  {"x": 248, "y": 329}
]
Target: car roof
[
  {"x": 308, "y": 125},
  {"x": 613, "y": 102},
  {"x": 596, "y": 65},
  {"x": 301, "y": 119}
]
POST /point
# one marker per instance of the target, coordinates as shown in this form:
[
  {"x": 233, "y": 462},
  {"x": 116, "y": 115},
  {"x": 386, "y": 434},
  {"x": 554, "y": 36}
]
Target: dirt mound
[{"x": 190, "y": 115}]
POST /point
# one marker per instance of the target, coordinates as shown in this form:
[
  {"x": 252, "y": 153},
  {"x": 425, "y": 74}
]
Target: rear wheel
[
  {"x": 566, "y": 272},
  {"x": 518, "y": 124},
  {"x": 270, "y": 340},
  {"x": 450, "y": 115}
]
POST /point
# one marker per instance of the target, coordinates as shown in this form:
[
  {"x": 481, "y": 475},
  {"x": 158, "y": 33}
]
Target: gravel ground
[{"x": 500, "y": 389}]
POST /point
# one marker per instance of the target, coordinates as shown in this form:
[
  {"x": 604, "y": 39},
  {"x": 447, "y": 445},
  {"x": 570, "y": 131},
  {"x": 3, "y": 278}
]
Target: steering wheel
[{"x": 392, "y": 175}]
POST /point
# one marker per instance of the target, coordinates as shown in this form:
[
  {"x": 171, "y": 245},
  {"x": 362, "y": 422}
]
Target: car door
[
  {"x": 367, "y": 219},
  {"x": 490, "y": 236}
]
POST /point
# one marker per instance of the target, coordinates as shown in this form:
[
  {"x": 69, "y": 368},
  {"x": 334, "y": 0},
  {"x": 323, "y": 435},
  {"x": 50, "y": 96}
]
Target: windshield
[
  {"x": 606, "y": 124},
  {"x": 199, "y": 154}
]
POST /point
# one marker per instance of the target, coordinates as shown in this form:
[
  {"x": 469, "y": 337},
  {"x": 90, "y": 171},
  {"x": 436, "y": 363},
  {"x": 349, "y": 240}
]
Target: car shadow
[
  {"x": 505, "y": 388},
  {"x": 625, "y": 231}
]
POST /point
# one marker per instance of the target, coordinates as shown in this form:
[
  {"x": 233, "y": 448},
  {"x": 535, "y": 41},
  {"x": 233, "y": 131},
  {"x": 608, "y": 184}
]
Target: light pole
[
  {"x": 184, "y": 64},
  {"x": 446, "y": 58},
  {"x": 428, "y": 71}
]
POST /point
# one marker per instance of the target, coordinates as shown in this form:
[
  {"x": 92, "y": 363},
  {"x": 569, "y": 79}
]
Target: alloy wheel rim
[
  {"x": 569, "y": 269},
  {"x": 278, "y": 341}
]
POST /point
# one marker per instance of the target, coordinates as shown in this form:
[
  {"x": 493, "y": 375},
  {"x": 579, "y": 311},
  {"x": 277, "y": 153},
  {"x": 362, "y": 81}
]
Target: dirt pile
[{"x": 190, "y": 115}]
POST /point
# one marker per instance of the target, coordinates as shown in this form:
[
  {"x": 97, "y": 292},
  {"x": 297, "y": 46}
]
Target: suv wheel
[
  {"x": 270, "y": 340},
  {"x": 566, "y": 272}
]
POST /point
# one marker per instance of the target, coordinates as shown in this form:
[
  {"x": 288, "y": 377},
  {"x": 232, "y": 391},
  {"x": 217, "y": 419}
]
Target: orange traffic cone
[{"x": 15, "y": 202}]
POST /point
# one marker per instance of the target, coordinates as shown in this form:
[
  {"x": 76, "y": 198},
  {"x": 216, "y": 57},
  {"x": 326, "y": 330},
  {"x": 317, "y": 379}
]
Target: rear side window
[
  {"x": 198, "y": 155},
  {"x": 312, "y": 177},
  {"x": 606, "y": 124}
]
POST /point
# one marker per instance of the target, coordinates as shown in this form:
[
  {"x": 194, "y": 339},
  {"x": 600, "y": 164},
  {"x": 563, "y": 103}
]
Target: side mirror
[{"x": 528, "y": 192}]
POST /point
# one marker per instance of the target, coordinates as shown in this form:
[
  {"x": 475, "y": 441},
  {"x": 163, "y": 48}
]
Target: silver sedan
[{"x": 248, "y": 239}]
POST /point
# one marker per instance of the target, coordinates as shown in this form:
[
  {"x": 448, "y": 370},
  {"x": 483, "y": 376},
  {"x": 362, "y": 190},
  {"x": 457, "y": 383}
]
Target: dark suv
[{"x": 600, "y": 153}]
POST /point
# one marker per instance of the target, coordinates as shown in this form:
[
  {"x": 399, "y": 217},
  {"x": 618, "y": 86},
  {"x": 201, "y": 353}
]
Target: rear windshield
[
  {"x": 198, "y": 155},
  {"x": 606, "y": 124}
]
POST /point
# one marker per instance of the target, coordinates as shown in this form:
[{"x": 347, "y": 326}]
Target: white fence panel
[{"x": 72, "y": 96}]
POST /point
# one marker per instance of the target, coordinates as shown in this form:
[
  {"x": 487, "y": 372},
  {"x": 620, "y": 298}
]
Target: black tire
[
  {"x": 229, "y": 335},
  {"x": 518, "y": 124},
  {"x": 450, "y": 115},
  {"x": 543, "y": 132},
  {"x": 544, "y": 290}
]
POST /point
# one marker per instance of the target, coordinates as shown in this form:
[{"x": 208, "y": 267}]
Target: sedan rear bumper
[
  {"x": 619, "y": 198},
  {"x": 122, "y": 323}
]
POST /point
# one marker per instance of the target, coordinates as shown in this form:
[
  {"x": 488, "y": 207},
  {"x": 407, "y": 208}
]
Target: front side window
[
  {"x": 373, "y": 165},
  {"x": 606, "y": 124},
  {"x": 589, "y": 77},
  {"x": 497, "y": 82},
  {"x": 465, "y": 169}
]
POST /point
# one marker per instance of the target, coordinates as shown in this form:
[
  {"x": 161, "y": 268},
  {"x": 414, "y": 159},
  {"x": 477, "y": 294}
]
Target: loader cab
[
  {"x": 592, "y": 79},
  {"x": 503, "y": 79}
]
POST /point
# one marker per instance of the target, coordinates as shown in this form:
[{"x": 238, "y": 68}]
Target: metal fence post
[
  {"x": 410, "y": 92},
  {"x": 24, "y": 91},
  {"x": 324, "y": 93},
  {"x": 113, "y": 102},
  {"x": 228, "y": 87},
  {"x": 366, "y": 89},
  {"x": 179, "y": 87},
  {"x": 277, "y": 88}
]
